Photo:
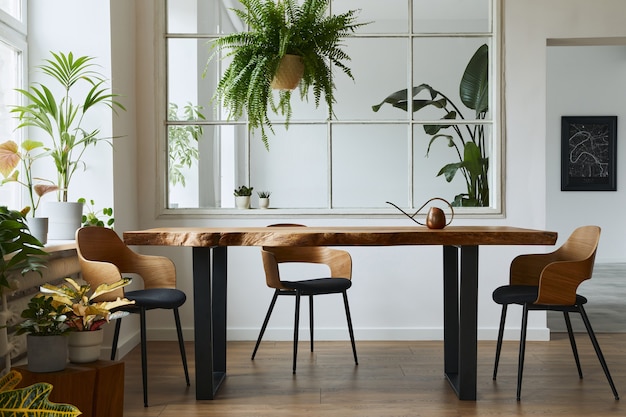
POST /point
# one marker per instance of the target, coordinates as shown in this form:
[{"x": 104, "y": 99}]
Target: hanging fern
[{"x": 275, "y": 30}]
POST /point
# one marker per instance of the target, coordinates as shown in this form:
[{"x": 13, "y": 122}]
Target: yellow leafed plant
[
  {"x": 31, "y": 401},
  {"x": 83, "y": 312}
]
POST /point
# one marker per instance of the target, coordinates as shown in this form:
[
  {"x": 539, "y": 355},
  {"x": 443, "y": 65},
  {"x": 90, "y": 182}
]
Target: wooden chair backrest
[
  {"x": 558, "y": 274},
  {"x": 338, "y": 261},
  {"x": 104, "y": 257}
]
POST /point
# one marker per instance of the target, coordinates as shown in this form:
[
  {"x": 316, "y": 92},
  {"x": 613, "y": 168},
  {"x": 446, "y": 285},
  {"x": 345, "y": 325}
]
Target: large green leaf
[
  {"x": 31, "y": 401},
  {"x": 474, "y": 87},
  {"x": 19, "y": 250}
]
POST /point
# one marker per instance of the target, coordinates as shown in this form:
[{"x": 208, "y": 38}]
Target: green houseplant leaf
[
  {"x": 19, "y": 250},
  {"x": 474, "y": 88},
  {"x": 31, "y": 401},
  {"x": 468, "y": 141}
]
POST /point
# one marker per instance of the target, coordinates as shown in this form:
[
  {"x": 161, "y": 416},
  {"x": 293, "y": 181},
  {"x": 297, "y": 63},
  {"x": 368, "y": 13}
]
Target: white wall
[
  {"x": 380, "y": 310},
  {"x": 397, "y": 291},
  {"x": 587, "y": 81}
]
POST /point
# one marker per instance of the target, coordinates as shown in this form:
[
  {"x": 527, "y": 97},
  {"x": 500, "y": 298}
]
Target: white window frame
[
  {"x": 13, "y": 32},
  {"x": 496, "y": 210}
]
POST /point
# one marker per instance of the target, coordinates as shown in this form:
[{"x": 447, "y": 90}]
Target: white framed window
[
  {"x": 13, "y": 64},
  {"x": 356, "y": 162}
]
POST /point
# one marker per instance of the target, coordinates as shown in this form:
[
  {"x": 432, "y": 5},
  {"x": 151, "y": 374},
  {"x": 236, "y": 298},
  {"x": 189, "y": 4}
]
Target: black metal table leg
[
  {"x": 460, "y": 319},
  {"x": 209, "y": 293}
]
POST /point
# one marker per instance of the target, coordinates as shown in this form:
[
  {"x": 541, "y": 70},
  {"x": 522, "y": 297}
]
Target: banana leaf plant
[
  {"x": 30, "y": 401},
  {"x": 467, "y": 140}
]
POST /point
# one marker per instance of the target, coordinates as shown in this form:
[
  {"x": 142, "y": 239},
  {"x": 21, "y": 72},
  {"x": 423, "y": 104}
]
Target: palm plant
[
  {"x": 277, "y": 29},
  {"x": 469, "y": 141},
  {"x": 62, "y": 118}
]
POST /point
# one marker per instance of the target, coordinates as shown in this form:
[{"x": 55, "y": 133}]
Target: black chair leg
[
  {"x": 181, "y": 344},
  {"x": 311, "y": 320},
  {"x": 499, "y": 343},
  {"x": 295, "y": 331},
  {"x": 267, "y": 319},
  {"x": 350, "y": 328},
  {"x": 144, "y": 355},
  {"x": 522, "y": 351},
  {"x": 116, "y": 336},
  {"x": 572, "y": 341},
  {"x": 596, "y": 347}
]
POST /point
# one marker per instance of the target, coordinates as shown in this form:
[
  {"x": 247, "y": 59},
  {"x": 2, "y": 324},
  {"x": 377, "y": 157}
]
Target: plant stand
[{"x": 96, "y": 388}]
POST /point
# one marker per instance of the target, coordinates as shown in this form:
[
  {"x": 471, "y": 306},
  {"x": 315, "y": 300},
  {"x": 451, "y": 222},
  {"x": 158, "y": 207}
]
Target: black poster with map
[{"x": 588, "y": 153}]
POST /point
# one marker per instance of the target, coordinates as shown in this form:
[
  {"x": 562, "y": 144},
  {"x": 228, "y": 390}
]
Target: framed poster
[{"x": 588, "y": 153}]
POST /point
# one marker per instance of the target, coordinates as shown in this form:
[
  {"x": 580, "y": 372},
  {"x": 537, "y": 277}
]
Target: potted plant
[
  {"x": 32, "y": 400},
  {"x": 182, "y": 141},
  {"x": 63, "y": 117},
  {"x": 468, "y": 141},
  {"x": 46, "y": 344},
  {"x": 264, "y": 199},
  {"x": 279, "y": 33},
  {"x": 242, "y": 197},
  {"x": 84, "y": 315},
  {"x": 100, "y": 218},
  {"x": 19, "y": 250},
  {"x": 10, "y": 158}
]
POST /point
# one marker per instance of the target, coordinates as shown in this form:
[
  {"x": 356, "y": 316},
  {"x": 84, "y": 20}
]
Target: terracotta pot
[{"x": 289, "y": 73}]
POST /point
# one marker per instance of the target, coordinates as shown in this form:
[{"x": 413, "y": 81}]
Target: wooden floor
[{"x": 392, "y": 379}]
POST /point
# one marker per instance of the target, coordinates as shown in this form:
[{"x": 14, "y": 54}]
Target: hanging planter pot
[
  {"x": 84, "y": 347},
  {"x": 289, "y": 73}
]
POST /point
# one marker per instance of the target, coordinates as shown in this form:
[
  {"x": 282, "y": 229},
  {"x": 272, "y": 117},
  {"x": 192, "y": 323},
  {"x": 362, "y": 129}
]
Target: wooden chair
[
  {"x": 103, "y": 257},
  {"x": 549, "y": 282},
  {"x": 338, "y": 261}
]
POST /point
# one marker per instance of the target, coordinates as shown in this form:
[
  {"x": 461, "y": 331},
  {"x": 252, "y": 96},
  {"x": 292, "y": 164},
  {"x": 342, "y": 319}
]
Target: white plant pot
[
  {"x": 38, "y": 227},
  {"x": 46, "y": 353},
  {"x": 84, "y": 347},
  {"x": 64, "y": 219},
  {"x": 264, "y": 202},
  {"x": 242, "y": 201}
]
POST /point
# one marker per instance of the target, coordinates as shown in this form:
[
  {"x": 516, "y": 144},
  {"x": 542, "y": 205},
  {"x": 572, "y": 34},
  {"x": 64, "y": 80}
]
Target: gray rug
[{"x": 606, "y": 306}]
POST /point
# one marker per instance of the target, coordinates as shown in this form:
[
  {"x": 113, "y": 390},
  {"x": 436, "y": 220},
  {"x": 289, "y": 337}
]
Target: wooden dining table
[{"x": 460, "y": 281}]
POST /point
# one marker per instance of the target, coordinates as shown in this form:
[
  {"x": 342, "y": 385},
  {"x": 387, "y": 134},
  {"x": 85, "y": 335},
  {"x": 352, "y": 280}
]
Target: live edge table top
[{"x": 339, "y": 236}]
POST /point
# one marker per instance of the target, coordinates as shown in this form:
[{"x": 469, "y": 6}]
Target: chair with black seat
[
  {"x": 338, "y": 261},
  {"x": 103, "y": 257},
  {"x": 549, "y": 281}
]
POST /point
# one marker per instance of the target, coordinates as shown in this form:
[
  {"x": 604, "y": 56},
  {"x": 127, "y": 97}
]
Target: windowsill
[
  {"x": 459, "y": 212},
  {"x": 59, "y": 245}
]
